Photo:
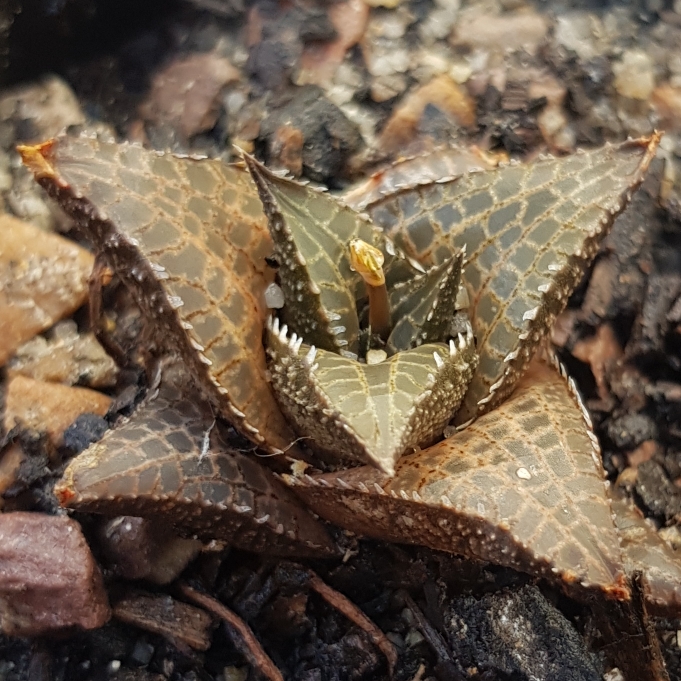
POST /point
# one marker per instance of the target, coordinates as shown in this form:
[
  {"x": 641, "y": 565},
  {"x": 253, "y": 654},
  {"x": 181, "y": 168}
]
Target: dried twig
[
  {"x": 429, "y": 632},
  {"x": 445, "y": 659},
  {"x": 251, "y": 649},
  {"x": 355, "y": 615}
]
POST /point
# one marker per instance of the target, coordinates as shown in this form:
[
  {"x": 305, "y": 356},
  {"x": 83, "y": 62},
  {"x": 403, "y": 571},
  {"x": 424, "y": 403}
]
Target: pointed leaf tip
[
  {"x": 162, "y": 223},
  {"x": 171, "y": 460},
  {"x": 37, "y": 158}
]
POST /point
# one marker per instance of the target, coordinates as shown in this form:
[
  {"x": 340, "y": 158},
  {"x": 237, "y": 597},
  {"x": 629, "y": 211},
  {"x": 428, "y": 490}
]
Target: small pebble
[
  {"x": 408, "y": 616},
  {"x": 235, "y": 673},
  {"x": 388, "y": 59},
  {"x": 631, "y": 429},
  {"x": 634, "y": 77},
  {"x": 142, "y": 653},
  {"x": 386, "y": 88},
  {"x": 667, "y": 102},
  {"x": 40, "y": 110},
  {"x": 672, "y": 536},
  {"x": 320, "y": 61},
  {"x": 504, "y": 32},
  {"x": 577, "y": 31},
  {"x": 389, "y": 25},
  {"x": 67, "y": 357},
  {"x": 413, "y": 638},
  {"x": 439, "y": 22},
  {"x": 328, "y": 136},
  {"x": 376, "y": 356},
  {"x": 138, "y": 548},
  {"x": 185, "y": 93},
  {"x": 395, "y": 639},
  {"x": 441, "y": 92},
  {"x": 274, "y": 297}
]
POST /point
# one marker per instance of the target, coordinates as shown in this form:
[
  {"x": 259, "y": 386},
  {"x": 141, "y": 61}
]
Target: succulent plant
[{"x": 374, "y": 353}]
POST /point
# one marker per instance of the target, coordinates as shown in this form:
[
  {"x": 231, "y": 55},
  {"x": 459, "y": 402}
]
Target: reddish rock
[
  {"x": 320, "y": 60},
  {"x": 287, "y": 149},
  {"x": 667, "y": 102},
  {"x": 48, "y": 577}
]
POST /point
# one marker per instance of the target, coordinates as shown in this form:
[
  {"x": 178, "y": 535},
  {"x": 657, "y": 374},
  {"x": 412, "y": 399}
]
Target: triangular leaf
[
  {"x": 189, "y": 239},
  {"x": 422, "y": 308},
  {"x": 171, "y": 460},
  {"x": 312, "y": 231},
  {"x": 371, "y": 413}
]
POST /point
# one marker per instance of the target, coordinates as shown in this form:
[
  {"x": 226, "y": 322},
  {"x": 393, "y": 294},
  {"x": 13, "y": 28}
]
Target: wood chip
[{"x": 178, "y": 622}]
